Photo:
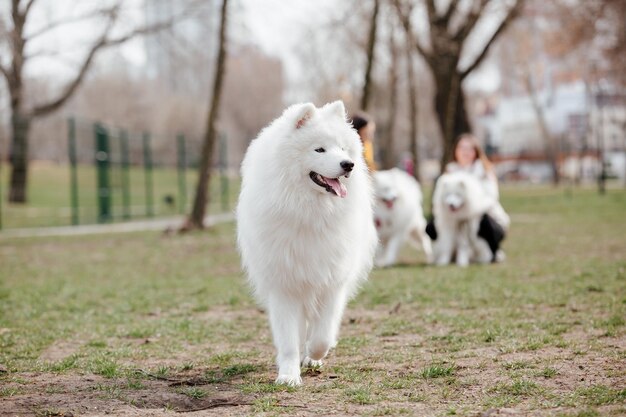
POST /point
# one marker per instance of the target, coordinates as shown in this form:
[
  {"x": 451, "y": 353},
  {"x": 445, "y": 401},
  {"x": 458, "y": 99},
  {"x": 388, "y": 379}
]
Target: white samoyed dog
[
  {"x": 459, "y": 201},
  {"x": 398, "y": 215},
  {"x": 305, "y": 230}
]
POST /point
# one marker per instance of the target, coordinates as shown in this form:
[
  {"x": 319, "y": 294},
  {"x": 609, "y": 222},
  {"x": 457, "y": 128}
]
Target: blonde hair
[{"x": 477, "y": 148}]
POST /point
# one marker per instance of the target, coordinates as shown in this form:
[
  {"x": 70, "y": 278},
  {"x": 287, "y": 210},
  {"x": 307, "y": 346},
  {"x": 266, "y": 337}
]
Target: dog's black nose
[{"x": 347, "y": 165}]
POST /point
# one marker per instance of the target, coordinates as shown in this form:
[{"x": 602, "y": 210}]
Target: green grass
[
  {"x": 106, "y": 367},
  {"x": 601, "y": 395},
  {"x": 194, "y": 392},
  {"x": 438, "y": 370},
  {"x": 361, "y": 395},
  {"x": 9, "y": 391},
  {"x": 49, "y": 202},
  {"x": 547, "y": 372},
  {"x": 131, "y": 315}
]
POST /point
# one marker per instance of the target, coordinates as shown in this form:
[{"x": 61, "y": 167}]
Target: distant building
[{"x": 587, "y": 124}]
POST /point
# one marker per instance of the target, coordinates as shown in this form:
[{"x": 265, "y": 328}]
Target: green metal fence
[{"x": 113, "y": 174}]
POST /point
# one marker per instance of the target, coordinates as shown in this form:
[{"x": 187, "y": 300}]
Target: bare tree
[
  {"x": 448, "y": 32},
  {"x": 249, "y": 102},
  {"x": 22, "y": 115},
  {"x": 592, "y": 30},
  {"x": 572, "y": 46},
  {"x": 550, "y": 142},
  {"x": 413, "y": 102},
  {"x": 390, "y": 157},
  {"x": 371, "y": 43},
  {"x": 196, "y": 218}
]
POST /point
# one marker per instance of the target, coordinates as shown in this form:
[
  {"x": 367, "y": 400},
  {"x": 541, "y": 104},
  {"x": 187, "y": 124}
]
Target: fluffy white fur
[
  {"x": 459, "y": 201},
  {"x": 305, "y": 247},
  {"x": 398, "y": 215}
]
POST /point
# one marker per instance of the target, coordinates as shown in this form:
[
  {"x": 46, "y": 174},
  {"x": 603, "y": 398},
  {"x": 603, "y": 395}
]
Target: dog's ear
[
  {"x": 305, "y": 113},
  {"x": 337, "y": 107}
]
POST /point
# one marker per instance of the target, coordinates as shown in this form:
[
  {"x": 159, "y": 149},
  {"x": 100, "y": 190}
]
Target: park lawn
[
  {"x": 49, "y": 201},
  {"x": 128, "y": 323}
]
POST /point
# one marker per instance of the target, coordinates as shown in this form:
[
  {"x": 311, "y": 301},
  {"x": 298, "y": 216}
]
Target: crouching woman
[{"x": 469, "y": 157}]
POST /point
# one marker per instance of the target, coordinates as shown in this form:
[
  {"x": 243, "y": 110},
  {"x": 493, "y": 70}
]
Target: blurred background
[{"x": 105, "y": 105}]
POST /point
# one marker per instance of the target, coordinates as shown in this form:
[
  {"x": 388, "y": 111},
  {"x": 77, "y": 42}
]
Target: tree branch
[
  {"x": 371, "y": 43},
  {"x": 451, "y": 9},
  {"x": 4, "y": 72},
  {"x": 405, "y": 18},
  {"x": 432, "y": 11},
  {"x": 59, "y": 23},
  {"x": 102, "y": 43},
  {"x": 28, "y": 7},
  {"x": 470, "y": 21},
  {"x": 511, "y": 15},
  {"x": 52, "y": 105},
  {"x": 42, "y": 53}
]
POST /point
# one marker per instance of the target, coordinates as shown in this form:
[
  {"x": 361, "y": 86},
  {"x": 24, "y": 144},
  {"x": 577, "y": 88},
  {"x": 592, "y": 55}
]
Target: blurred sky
[
  {"x": 274, "y": 25},
  {"x": 277, "y": 26},
  {"x": 267, "y": 23}
]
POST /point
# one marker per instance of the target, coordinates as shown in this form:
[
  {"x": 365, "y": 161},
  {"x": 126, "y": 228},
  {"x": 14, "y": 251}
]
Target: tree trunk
[
  {"x": 20, "y": 122},
  {"x": 371, "y": 42},
  {"x": 550, "y": 143},
  {"x": 413, "y": 114},
  {"x": 196, "y": 219},
  {"x": 444, "y": 55},
  {"x": 21, "y": 117},
  {"x": 451, "y": 112},
  {"x": 390, "y": 156},
  {"x": 18, "y": 155}
]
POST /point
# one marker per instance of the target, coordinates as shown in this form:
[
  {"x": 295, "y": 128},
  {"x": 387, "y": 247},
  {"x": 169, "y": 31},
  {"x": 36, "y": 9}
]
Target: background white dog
[
  {"x": 459, "y": 202},
  {"x": 305, "y": 229},
  {"x": 398, "y": 215}
]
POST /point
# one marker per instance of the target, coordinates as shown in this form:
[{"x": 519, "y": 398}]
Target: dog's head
[
  {"x": 453, "y": 193},
  {"x": 385, "y": 188},
  {"x": 325, "y": 147},
  {"x": 454, "y": 200}
]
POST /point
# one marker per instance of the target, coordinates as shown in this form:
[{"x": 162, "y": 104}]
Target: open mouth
[
  {"x": 454, "y": 208},
  {"x": 332, "y": 185}
]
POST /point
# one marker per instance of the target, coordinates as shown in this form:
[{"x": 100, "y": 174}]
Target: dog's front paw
[
  {"x": 462, "y": 259},
  {"x": 289, "y": 380},
  {"x": 311, "y": 363},
  {"x": 442, "y": 261},
  {"x": 462, "y": 262}
]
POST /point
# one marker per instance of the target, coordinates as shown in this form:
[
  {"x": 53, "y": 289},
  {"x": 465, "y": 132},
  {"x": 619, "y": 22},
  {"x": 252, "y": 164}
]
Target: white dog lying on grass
[
  {"x": 305, "y": 229},
  {"x": 398, "y": 215}
]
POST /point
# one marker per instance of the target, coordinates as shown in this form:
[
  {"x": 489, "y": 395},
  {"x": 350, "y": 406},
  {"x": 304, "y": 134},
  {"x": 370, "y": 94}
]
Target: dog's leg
[
  {"x": 481, "y": 252},
  {"x": 305, "y": 332},
  {"x": 286, "y": 317},
  {"x": 426, "y": 245},
  {"x": 444, "y": 245},
  {"x": 419, "y": 239},
  {"x": 464, "y": 248},
  {"x": 392, "y": 249},
  {"x": 325, "y": 327},
  {"x": 380, "y": 253}
]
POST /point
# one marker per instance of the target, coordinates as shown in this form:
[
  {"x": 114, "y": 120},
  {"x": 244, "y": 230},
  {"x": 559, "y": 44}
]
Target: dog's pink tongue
[{"x": 338, "y": 187}]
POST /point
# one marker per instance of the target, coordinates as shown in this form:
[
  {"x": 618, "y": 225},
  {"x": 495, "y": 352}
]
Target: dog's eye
[{"x": 320, "y": 150}]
